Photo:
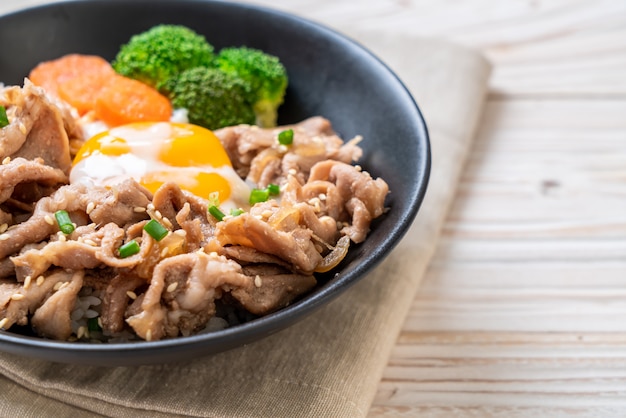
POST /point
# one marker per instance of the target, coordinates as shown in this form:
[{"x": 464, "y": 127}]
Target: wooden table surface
[{"x": 523, "y": 310}]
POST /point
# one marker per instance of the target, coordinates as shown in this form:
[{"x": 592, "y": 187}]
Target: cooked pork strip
[
  {"x": 36, "y": 128},
  {"x": 188, "y": 304},
  {"x": 257, "y": 155},
  {"x": 187, "y": 212},
  {"x": 119, "y": 204},
  {"x": 114, "y": 205},
  {"x": 294, "y": 246},
  {"x": 72, "y": 255},
  {"x": 269, "y": 292},
  {"x": 116, "y": 300},
  {"x": 52, "y": 319},
  {"x": 363, "y": 196},
  {"x": 15, "y": 310},
  {"x": 21, "y": 170}
]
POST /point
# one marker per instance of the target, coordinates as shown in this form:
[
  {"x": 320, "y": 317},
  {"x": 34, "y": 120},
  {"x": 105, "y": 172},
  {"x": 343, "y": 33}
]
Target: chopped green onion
[
  {"x": 285, "y": 137},
  {"x": 155, "y": 230},
  {"x": 259, "y": 195},
  {"x": 216, "y": 212},
  {"x": 274, "y": 189},
  {"x": 236, "y": 212},
  {"x": 65, "y": 223},
  {"x": 130, "y": 248},
  {"x": 93, "y": 325},
  {"x": 4, "y": 120}
]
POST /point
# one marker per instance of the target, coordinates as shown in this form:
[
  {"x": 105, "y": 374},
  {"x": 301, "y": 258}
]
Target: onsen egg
[{"x": 154, "y": 153}]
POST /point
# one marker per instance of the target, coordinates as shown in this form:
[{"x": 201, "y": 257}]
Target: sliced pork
[
  {"x": 37, "y": 129},
  {"x": 256, "y": 262},
  {"x": 180, "y": 299}
]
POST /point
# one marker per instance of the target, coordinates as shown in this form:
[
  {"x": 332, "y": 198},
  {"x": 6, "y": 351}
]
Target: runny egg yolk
[{"x": 157, "y": 152}]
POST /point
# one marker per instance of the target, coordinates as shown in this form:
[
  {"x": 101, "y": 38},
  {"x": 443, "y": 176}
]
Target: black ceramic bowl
[{"x": 329, "y": 75}]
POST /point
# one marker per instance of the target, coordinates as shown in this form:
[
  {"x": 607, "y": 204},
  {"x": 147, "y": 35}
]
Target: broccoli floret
[
  {"x": 266, "y": 76},
  {"x": 162, "y": 52},
  {"x": 213, "y": 99}
]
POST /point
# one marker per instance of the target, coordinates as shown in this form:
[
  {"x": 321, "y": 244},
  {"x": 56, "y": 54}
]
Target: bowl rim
[{"x": 146, "y": 352}]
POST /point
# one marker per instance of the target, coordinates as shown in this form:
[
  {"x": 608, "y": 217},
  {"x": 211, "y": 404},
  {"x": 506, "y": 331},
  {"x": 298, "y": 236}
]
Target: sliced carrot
[
  {"x": 124, "y": 100},
  {"x": 51, "y": 74},
  {"x": 81, "y": 91}
]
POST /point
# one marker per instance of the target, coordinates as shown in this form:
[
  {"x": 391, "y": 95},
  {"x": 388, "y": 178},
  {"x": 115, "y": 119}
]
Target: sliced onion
[
  {"x": 335, "y": 256},
  {"x": 286, "y": 218}
]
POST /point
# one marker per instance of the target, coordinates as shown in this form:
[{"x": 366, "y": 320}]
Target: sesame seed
[
  {"x": 131, "y": 294},
  {"x": 57, "y": 286},
  {"x": 181, "y": 232},
  {"x": 22, "y": 128},
  {"x": 322, "y": 196},
  {"x": 258, "y": 217},
  {"x": 213, "y": 254},
  {"x": 17, "y": 296},
  {"x": 90, "y": 206},
  {"x": 139, "y": 209},
  {"x": 61, "y": 236},
  {"x": 267, "y": 213},
  {"x": 4, "y": 237},
  {"x": 358, "y": 168},
  {"x": 80, "y": 332},
  {"x": 27, "y": 281},
  {"x": 3, "y": 228},
  {"x": 6, "y": 160},
  {"x": 167, "y": 223},
  {"x": 200, "y": 251},
  {"x": 40, "y": 280},
  {"x": 164, "y": 252},
  {"x": 257, "y": 281},
  {"x": 150, "y": 206},
  {"x": 90, "y": 242},
  {"x": 149, "y": 335},
  {"x": 3, "y": 322},
  {"x": 292, "y": 171},
  {"x": 157, "y": 214},
  {"x": 100, "y": 322},
  {"x": 48, "y": 220},
  {"x": 172, "y": 287}
]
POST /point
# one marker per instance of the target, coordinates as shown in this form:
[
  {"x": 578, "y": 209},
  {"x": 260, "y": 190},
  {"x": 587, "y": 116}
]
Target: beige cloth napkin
[{"x": 328, "y": 365}]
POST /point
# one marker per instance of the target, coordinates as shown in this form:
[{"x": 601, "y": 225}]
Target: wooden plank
[
  {"x": 505, "y": 374},
  {"x": 545, "y": 164}
]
